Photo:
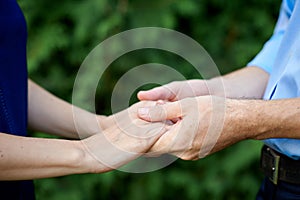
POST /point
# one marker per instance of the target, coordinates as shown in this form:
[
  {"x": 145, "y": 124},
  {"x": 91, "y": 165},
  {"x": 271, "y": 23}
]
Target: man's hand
[
  {"x": 206, "y": 124},
  {"x": 176, "y": 90},
  {"x": 246, "y": 83},
  {"x": 127, "y": 138}
]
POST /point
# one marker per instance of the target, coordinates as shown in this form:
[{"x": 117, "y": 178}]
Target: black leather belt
[{"x": 279, "y": 167}]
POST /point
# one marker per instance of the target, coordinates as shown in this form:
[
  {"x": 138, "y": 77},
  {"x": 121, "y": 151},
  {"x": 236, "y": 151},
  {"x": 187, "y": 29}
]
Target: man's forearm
[
  {"x": 259, "y": 119},
  {"x": 246, "y": 83}
]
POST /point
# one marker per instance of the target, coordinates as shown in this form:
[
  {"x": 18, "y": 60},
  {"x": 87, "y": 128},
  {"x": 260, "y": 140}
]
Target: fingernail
[{"x": 143, "y": 111}]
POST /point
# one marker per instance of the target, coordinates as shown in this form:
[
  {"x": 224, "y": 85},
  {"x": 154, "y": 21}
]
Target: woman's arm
[
  {"x": 49, "y": 114},
  {"x": 31, "y": 158}
]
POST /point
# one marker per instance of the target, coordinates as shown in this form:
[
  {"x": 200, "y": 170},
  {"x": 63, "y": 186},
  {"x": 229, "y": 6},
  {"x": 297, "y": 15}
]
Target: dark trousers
[{"x": 281, "y": 191}]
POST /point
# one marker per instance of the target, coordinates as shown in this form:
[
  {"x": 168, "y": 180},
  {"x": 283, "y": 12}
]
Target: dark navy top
[{"x": 13, "y": 87}]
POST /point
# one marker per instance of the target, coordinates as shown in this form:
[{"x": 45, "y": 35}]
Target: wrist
[
  {"x": 89, "y": 149},
  {"x": 85, "y": 162},
  {"x": 78, "y": 158},
  {"x": 216, "y": 87},
  {"x": 199, "y": 87}
]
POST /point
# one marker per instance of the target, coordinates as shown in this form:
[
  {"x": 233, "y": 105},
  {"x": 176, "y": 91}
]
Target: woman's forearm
[
  {"x": 31, "y": 158},
  {"x": 47, "y": 113},
  {"x": 126, "y": 138}
]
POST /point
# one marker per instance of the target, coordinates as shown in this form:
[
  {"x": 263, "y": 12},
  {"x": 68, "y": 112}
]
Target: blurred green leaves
[{"x": 62, "y": 33}]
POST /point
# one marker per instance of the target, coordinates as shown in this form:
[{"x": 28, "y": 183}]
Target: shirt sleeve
[{"x": 266, "y": 57}]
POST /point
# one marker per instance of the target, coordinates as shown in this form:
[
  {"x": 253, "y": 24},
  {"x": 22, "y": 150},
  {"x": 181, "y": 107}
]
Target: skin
[
  {"x": 107, "y": 142},
  {"x": 208, "y": 117}
]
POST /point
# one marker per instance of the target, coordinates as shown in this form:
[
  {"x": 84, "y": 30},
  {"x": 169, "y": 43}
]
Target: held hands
[
  {"x": 124, "y": 138},
  {"x": 196, "y": 129},
  {"x": 201, "y": 125},
  {"x": 186, "y": 126}
]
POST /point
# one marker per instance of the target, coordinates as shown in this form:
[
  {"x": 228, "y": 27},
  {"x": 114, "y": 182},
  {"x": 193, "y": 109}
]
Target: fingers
[
  {"x": 176, "y": 90},
  {"x": 163, "y": 112},
  {"x": 158, "y": 93},
  {"x": 165, "y": 143}
]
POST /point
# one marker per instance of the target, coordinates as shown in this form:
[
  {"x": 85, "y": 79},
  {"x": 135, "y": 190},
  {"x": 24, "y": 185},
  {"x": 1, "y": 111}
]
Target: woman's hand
[{"x": 126, "y": 138}]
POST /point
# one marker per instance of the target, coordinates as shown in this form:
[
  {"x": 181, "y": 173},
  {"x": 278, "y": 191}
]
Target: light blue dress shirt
[{"x": 280, "y": 57}]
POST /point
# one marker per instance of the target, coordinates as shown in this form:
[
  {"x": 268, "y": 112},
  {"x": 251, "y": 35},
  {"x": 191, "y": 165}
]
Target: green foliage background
[{"x": 62, "y": 33}]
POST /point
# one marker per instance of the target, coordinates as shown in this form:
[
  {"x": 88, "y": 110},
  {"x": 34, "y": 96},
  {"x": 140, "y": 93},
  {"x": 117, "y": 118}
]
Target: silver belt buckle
[{"x": 275, "y": 167}]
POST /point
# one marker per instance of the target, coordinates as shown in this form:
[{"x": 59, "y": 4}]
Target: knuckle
[{"x": 157, "y": 113}]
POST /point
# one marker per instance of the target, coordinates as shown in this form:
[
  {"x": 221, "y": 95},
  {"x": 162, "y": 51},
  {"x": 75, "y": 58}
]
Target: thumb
[
  {"x": 158, "y": 93},
  {"x": 163, "y": 112}
]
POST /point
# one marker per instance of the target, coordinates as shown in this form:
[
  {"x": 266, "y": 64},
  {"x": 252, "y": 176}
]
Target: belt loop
[{"x": 275, "y": 167}]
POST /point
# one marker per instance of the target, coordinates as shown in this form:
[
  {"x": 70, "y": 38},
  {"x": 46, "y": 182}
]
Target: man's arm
[
  {"x": 208, "y": 124},
  {"x": 248, "y": 83}
]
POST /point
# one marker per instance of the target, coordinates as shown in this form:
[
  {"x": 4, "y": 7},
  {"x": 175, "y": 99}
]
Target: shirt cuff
[{"x": 266, "y": 57}]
